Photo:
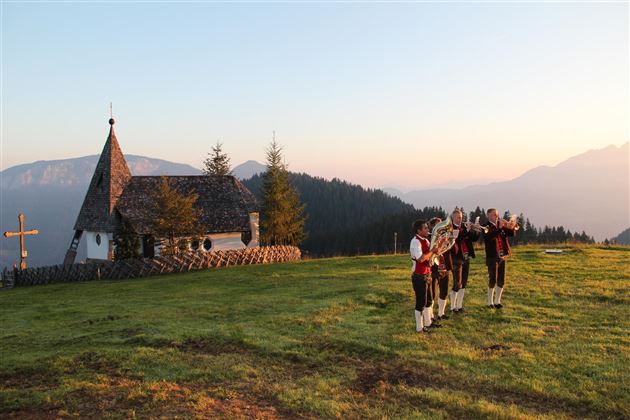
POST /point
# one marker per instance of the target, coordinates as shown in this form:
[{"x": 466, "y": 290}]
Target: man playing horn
[
  {"x": 497, "y": 250},
  {"x": 440, "y": 277},
  {"x": 421, "y": 252},
  {"x": 461, "y": 253}
]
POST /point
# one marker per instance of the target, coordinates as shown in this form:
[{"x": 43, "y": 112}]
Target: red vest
[
  {"x": 423, "y": 267},
  {"x": 462, "y": 241}
]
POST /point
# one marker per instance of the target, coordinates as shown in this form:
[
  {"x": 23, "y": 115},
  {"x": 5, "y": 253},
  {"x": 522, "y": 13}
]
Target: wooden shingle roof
[
  {"x": 225, "y": 203},
  {"x": 110, "y": 178}
]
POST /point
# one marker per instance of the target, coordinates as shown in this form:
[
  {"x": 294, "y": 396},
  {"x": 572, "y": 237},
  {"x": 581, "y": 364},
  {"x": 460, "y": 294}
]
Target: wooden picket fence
[{"x": 133, "y": 268}]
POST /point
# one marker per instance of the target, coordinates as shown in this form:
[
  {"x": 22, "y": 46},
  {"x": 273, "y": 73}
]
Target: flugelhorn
[
  {"x": 477, "y": 227},
  {"x": 511, "y": 224}
]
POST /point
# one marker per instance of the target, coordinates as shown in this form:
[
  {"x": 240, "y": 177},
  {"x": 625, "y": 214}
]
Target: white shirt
[{"x": 415, "y": 249}]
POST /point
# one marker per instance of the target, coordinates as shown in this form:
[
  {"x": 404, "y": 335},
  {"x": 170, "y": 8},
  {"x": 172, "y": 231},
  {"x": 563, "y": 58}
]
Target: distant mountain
[
  {"x": 586, "y": 192},
  {"x": 248, "y": 169},
  {"x": 623, "y": 238},
  {"x": 79, "y": 171}
]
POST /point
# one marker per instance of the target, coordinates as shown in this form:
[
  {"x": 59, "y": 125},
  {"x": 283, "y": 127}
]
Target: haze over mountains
[
  {"x": 79, "y": 171},
  {"x": 587, "y": 192}
]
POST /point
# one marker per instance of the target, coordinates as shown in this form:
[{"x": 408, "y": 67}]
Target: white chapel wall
[
  {"x": 223, "y": 241},
  {"x": 96, "y": 250}
]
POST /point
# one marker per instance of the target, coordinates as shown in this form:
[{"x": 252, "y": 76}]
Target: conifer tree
[
  {"x": 217, "y": 162},
  {"x": 282, "y": 219},
  {"x": 127, "y": 242},
  {"x": 175, "y": 216}
]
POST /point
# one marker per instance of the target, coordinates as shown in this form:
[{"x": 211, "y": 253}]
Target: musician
[
  {"x": 421, "y": 252},
  {"x": 440, "y": 277},
  {"x": 461, "y": 253},
  {"x": 497, "y": 250}
]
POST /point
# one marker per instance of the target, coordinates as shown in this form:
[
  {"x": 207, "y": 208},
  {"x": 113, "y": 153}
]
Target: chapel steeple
[{"x": 108, "y": 182}]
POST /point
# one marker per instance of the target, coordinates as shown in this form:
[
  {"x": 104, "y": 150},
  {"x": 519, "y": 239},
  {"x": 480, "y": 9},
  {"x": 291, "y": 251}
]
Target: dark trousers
[
  {"x": 496, "y": 272},
  {"x": 421, "y": 287},
  {"x": 460, "y": 273},
  {"x": 443, "y": 282},
  {"x": 432, "y": 291}
]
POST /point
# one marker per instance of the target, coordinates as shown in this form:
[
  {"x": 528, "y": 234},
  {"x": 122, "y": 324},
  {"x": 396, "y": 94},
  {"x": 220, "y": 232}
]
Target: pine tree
[
  {"x": 282, "y": 219},
  {"x": 217, "y": 162},
  {"x": 175, "y": 216},
  {"x": 127, "y": 242}
]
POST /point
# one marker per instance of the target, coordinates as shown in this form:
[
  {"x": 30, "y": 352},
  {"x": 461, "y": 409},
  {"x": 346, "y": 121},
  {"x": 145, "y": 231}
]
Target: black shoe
[
  {"x": 461, "y": 310},
  {"x": 490, "y": 306},
  {"x": 434, "y": 325},
  {"x": 498, "y": 306},
  {"x": 455, "y": 311},
  {"x": 425, "y": 330},
  {"x": 443, "y": 317}
]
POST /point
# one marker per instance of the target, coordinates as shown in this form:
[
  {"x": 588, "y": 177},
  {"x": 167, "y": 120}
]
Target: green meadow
[{"x": 330, "y": 338}]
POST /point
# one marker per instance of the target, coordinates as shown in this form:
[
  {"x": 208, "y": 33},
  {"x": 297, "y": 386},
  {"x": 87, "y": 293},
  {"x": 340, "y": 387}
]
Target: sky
[{"x": 409, "y": 95}]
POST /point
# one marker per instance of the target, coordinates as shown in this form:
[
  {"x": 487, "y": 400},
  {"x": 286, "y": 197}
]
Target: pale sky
[{"x": 380, "y": 94}]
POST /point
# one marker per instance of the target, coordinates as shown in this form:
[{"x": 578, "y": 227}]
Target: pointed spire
[{"x": 108, "y": 182}]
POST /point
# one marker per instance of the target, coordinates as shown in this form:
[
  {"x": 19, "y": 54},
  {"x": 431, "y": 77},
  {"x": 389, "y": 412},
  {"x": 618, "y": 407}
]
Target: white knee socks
[
  {"x": 460, "y": 298},
  {"x": 498, "y": 291},
  {"x": 427, "y": 317},
  {"x": 453, "y": 300},
  {"x": 419, "y": 323},
  {"x": 490, "y": 297},
  {"x": 441, "y": 307}
]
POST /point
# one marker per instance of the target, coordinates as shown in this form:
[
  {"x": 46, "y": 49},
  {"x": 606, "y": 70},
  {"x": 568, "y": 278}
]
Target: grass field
[{"x": 323, "y": 338}]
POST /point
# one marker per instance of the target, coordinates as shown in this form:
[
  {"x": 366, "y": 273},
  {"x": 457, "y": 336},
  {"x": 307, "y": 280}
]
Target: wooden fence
[{"x": 133, "y": 268}]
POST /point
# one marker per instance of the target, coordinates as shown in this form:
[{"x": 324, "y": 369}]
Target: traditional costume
[
  {"x": 461, "y": 253},
  {"x": 421, "y": 281},
  {"x": 440, "y": 275},
  {"x": 497, "y": 250}
]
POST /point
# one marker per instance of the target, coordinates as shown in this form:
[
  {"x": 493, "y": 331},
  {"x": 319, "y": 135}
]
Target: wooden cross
[{"x": 23, "y": 252}]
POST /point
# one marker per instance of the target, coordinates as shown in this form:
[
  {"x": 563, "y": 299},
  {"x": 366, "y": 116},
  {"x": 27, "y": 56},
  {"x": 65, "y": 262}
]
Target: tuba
[{"x": 444, "y": 236}]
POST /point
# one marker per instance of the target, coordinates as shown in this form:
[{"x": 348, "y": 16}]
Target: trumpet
[
  {"x": 511, "y": 224},
  {"x": 477, "y": 227}
]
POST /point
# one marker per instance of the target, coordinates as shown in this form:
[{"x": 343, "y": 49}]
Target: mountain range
[
  {"x": 587, "y": 192},
  {"x": 79, "y": 171}
]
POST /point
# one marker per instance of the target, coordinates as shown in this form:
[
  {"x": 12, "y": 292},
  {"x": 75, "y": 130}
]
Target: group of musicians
[{"x": 428, "y": 278}]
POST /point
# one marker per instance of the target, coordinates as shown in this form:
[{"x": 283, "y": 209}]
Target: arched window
[
  {"x": 207, "y": 244},
  {"x": 194, "y": 244},
  {"x": 98, "y": 239}
]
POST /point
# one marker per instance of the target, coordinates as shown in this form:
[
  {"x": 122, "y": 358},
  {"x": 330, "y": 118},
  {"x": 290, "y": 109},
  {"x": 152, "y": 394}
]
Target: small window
[
  {"x": 246, "y": 237},
  {"x": 207, "y": 244},
  {"x": 194, "y": 245},
  {"x": 98, "y": 239}
]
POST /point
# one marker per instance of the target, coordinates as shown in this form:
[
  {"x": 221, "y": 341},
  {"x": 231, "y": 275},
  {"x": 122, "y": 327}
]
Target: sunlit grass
[{"x": 324, "y": 338}]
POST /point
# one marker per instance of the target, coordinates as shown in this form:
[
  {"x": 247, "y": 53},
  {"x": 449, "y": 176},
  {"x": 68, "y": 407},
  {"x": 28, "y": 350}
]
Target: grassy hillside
[{"x": 323, "y": 338}]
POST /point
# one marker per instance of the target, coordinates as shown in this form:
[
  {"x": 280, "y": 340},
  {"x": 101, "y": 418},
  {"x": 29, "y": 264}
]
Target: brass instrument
[
  {"x": 444, "y": 236},
  {"x": 477, "y": 227},
  {"x": 511, "y": 224}
]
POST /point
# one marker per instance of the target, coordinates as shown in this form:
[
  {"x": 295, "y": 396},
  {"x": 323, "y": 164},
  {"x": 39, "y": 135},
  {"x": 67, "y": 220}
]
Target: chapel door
[{"x": 148, "y": 246}]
